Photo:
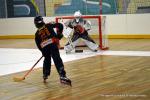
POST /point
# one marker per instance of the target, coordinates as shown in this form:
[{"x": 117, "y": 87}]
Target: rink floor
[{"x": 120, "y": 73}]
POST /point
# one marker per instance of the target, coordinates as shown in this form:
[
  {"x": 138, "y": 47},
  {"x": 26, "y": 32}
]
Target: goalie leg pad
[
  {"x": 68, "y": 48},
  {"x": 71, "y": 46},
  {"x": 91, "y": 45}
]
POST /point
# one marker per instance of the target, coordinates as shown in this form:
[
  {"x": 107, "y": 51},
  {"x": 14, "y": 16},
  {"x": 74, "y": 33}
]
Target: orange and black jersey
[{"x": 47, "y": 32}]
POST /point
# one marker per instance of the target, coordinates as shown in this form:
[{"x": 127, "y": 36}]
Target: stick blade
[
  {"x": 18, "y": 79},
  {"x": 78, "y": 51}
]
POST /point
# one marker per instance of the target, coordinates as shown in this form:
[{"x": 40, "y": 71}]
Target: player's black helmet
[{"x": 38, "y": 21}]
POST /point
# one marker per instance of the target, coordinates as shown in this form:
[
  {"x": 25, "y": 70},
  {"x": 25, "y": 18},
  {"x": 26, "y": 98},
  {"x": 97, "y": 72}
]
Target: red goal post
[{"x": 100, "y": 27}]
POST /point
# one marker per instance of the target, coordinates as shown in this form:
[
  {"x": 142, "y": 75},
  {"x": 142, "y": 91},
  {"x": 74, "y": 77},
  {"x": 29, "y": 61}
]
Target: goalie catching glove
[{"x": 79, "y": 29}]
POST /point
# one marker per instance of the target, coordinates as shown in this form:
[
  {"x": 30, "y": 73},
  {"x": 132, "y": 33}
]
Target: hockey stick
[
  {"x": 70, "y": 42},
  {"x": 67, "y": 34},
  {"x": 18, "y": 79}
]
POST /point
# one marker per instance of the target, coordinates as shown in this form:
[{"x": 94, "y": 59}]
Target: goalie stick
[
  {"x": 70, "y": 41},
  {"x": 67, "y": 34}
]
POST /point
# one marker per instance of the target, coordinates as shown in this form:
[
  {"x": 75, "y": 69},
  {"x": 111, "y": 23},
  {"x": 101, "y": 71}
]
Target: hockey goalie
[{"x": 80, "y": 29}]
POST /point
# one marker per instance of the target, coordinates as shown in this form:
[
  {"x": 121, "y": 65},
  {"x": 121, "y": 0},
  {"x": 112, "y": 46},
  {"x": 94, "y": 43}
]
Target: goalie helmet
[
  {"x": 38, "y": 21},
  {"x": 77, "y": 16}
]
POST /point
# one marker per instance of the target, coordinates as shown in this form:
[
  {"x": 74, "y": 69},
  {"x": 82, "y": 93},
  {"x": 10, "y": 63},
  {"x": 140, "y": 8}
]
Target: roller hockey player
[
  {"x": 47, "y": 42},
  {"x": 81, "y": 28}
]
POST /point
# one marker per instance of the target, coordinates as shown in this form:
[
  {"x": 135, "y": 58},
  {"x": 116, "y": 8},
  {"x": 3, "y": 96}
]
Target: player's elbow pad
[
  {"x": 59, "y": 36},
  {"x": 59, "y": 27}
]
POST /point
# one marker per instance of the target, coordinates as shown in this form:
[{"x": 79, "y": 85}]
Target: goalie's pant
[
  {"x": 48, "y": 52},
  {"x": 75, "y": 39}
]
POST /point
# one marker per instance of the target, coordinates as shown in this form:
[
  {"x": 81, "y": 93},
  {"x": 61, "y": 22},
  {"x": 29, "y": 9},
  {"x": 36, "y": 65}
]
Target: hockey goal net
[{"x": 98, "y": 30}]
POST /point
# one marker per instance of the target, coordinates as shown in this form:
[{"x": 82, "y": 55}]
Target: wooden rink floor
[{"x": 102, "y": 77}]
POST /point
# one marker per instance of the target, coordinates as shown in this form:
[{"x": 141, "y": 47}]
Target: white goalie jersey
[
  {"x": 86, "y": 25},
  {"x": 75, "y": 29}
]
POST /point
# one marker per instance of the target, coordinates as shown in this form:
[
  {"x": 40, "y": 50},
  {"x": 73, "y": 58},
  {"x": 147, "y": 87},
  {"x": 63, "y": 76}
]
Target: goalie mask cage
[{"x": 98, "y": 28}]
